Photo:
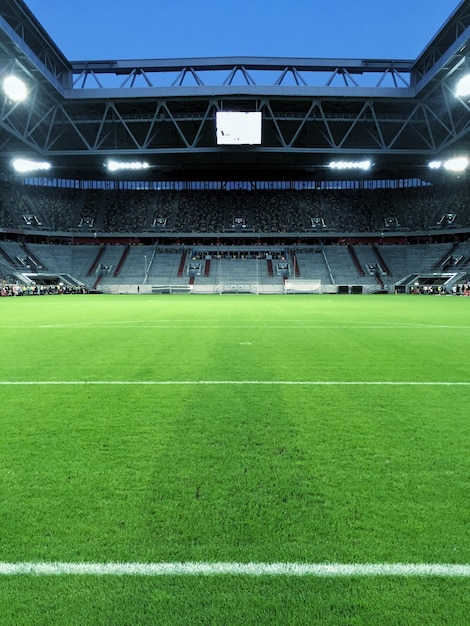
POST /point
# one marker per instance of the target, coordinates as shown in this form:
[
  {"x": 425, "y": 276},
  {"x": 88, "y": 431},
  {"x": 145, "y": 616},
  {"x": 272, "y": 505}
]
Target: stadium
[{"x": 292, "y": 452}]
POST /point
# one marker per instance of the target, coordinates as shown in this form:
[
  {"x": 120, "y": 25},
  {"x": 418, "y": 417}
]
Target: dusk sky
[{"x": 149, "y": 29}]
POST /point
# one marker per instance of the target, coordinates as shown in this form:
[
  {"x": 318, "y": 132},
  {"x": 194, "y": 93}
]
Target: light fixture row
[
  {"x": 24, "y": 166},
  {"x": 364, "y": 165},
  {"x": 457, "y": 164},
  {"x": 16, "y": 90},
  {"x": 116, "y": 166}
]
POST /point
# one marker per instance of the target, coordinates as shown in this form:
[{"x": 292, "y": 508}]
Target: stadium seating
[
  {"x": 32, "y": 207},
  {"x": 144, "y": 237}
]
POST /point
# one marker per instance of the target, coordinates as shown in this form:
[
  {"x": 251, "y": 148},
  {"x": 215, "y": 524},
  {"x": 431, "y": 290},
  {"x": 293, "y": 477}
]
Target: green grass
[{"x": 349, "y": 474}]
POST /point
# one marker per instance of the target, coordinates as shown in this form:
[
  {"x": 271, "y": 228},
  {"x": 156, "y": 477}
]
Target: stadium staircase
[
  {"x": 269, "y": 263},
  {"x": 94, "y": 265},
  {"x": 296, "y": 266},
  {"x": 463, "y": 263},
  {"x": 381, "y": 260},
  {"x": 181, "y": 265},
  {"x": 122, "y": 260},
  {"x": 8, "y": 258},
  {"x": 33, "y": 259},
  {"x": 438, "y": 265},
  {"x": 379, "y": 280},
  {"x": 355, "y": 260}
]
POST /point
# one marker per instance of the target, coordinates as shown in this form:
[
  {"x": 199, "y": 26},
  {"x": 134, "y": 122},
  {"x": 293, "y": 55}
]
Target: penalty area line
[{"x": 330, "y": 570}]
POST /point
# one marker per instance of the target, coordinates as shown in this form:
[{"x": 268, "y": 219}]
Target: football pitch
[{"x": 235, "y": 460}]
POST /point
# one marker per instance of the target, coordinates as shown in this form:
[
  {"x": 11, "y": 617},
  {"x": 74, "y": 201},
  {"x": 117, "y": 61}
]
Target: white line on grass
[
  {"x": 311, "y": 383},
  {"x": 284, "y": 326},
  {"x": 237, "y": 569},
  {"x": 208, "y": 325}
]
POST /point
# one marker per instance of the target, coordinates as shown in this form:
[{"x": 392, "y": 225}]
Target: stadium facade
[{"x": 397, "y": 115}]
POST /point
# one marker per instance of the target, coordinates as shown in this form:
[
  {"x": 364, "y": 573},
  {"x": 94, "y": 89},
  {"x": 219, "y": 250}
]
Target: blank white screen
[{"x": 236, "y": 128}]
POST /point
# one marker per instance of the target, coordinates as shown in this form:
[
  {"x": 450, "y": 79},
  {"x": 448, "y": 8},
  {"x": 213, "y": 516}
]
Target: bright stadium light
[
  {"x": 459, "y": 164},
  {"x": 25, "y": 165},
  {"x": 463, "y": 87},
  {"x": 116, "y": 166},
  {"x": 14, "y": 88},
  {"x": 351, "y": 165}
]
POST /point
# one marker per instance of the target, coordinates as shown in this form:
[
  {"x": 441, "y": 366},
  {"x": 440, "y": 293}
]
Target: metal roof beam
[
  {"x": 354, "y": 66},
  {"x": 19, "y": 47}
]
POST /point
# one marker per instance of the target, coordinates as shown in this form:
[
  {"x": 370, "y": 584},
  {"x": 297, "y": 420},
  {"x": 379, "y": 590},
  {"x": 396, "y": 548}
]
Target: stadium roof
[{"x": 400, "y": 113}]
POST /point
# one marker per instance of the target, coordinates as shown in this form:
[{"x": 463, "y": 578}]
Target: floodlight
[
  {"x": 14, "y": 88},
  {"x": 434, "y": 165},
  {"x": 115, "y": 166},
  {"x": 350, "y": 165},
  {"x": 463, "y": 86},
  {"x": 459, "y": 164},
  {"x": 25, "y": 165}
]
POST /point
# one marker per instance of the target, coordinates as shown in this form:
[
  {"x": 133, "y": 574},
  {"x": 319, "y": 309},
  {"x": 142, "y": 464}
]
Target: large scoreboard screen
[{"x": 238, "y": 128}]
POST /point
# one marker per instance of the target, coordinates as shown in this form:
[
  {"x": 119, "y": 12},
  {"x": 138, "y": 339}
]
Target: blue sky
[{"x": 140, "y": 29}]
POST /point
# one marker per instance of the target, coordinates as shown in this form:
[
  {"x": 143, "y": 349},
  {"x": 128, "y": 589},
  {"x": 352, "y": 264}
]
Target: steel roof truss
[
  {"x": 131, "y": 78},
  {"x": 276, "y": 125},
  {"x": 239, "y": 69},
  {"x": 150, "y": 135},
  {"x": 40, "y": 122},
  {"x": 460, "y": 135},
  {"x": 329, "y": 135},
  {"x": 202, "y": 124},
  {"x": 298, "y": 78},
  {"x": 177, "y": 127},
  {"x": 302, "y": 123},
  {"x": 74, "y": 126},
  {"x": 432, "y": 142},
  {"x": 449, "y": 129},
  {"x": 427, "y": 137},
  {"x": 407, "y": 121},
  {"x": 100, "y": 137},
  {"x": 125, "y": 126},
  {"x": 352, "y": 125},
  {"x": 83, "y": 76},
  {"x": 48, "y": 144},
  {"x": 396, "y": 77},
  {"x": 18, "y": 134},
  {"x": 379, "y": 138},
  {"x": 179, "y": 80}
]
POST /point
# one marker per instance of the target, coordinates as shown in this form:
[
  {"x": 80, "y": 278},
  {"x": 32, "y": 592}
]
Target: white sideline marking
[
  {"x": 280, "y": 325},
  {"x": 284, "y": 324},
  {"x": 329, "y": 570},
  {"x": 311, "y": 383}
]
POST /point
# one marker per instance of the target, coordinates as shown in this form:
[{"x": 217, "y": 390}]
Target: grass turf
[{"x": 244, "y": 473}]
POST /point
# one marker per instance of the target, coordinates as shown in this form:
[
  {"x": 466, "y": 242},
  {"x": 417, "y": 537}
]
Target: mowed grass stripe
[
  {"x": 287, "y": 474},
  {"x": 237, "y": 569}
]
